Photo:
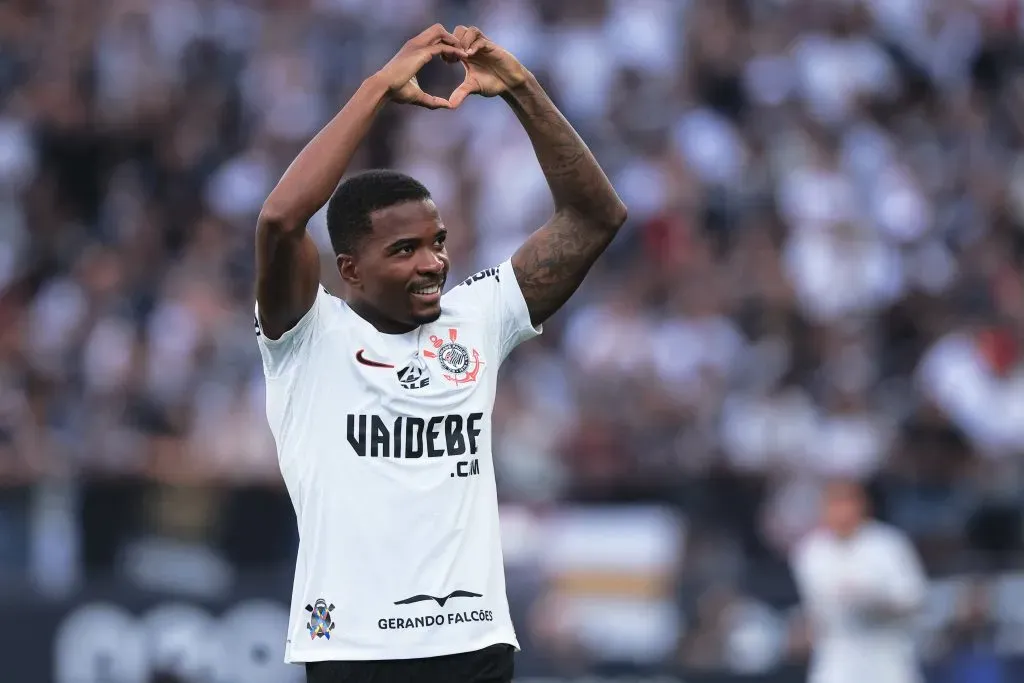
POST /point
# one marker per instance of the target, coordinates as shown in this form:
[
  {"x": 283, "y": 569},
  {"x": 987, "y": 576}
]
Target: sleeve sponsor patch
[{"x": 489, "y": 272}]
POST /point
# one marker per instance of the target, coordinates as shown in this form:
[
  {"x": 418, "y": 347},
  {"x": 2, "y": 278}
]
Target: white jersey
[
  {"x": 839, "y": 579},
  {"x": 384, "y": 443}
]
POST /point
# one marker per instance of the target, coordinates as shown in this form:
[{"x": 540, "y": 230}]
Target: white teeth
[{"x": 432, "y": 289}]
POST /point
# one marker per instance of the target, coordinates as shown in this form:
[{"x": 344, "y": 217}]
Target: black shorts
[{"x": 493, "y": 664}]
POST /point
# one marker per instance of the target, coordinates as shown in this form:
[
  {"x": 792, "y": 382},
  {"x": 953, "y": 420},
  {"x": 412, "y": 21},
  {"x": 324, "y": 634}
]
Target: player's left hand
[{"x": 490, "y": 69}]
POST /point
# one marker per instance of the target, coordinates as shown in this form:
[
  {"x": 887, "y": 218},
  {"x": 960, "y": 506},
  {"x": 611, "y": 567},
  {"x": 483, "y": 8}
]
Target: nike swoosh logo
[
  {"x": 371, "y": 363},
  {"x": 440, "y": 601}
]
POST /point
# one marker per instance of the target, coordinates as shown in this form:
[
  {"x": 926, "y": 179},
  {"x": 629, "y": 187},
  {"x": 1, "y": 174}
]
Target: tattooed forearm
[
  {"x": 552, "y": 263},
  {"x": 576, "y": 180}
]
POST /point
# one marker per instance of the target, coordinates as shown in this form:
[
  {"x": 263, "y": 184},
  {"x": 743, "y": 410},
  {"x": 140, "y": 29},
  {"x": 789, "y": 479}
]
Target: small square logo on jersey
[
  {"x": 461, "y": 365},
  {"x": 320, "y": 623},
  {"x": 413, "y": 375}
]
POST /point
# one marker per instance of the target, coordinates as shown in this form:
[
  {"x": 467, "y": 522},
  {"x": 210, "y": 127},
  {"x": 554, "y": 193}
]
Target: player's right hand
[{"x": 400, "y": 73}]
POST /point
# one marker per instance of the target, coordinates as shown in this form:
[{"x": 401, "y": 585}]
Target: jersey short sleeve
[
  {"x": 496, "y": 293},
  {"x": 281, "y": 353}
]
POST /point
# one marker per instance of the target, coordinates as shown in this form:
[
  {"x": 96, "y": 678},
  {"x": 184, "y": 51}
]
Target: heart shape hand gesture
[
  {"x": 490, "y": 69},
  {"x": 400, "y": 72}
]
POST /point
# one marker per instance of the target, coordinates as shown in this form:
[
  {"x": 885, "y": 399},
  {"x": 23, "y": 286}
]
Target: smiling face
[{"x": 397, "y": 272}]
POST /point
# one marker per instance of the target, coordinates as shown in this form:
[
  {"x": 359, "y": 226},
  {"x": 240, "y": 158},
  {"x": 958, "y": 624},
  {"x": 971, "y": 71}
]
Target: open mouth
[
  {"x": 428, "y": 293},
  {"x": 428, "y": 290}
]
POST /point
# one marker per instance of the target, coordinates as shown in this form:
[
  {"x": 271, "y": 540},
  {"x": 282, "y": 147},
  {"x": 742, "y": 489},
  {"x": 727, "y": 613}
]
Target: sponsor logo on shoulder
[{"x": 486, "y": 273}]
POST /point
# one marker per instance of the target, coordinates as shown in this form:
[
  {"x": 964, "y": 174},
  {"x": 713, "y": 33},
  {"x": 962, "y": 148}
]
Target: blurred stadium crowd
[{"x": 823, "y": 271}]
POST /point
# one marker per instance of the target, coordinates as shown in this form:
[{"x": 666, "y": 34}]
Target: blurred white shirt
[
  {"x": 835, "y": 275},
  {"x": 844, "y": 583},
  {"x": 955, "y": 376}
]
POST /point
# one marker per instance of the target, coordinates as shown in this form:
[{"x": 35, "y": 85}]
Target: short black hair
[{"x": 348, "y": 211}]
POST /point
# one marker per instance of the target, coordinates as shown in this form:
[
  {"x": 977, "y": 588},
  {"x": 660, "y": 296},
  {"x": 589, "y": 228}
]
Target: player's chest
[
  {"x": 851, "y": 562},
  {"x": 437, "y": 368}
]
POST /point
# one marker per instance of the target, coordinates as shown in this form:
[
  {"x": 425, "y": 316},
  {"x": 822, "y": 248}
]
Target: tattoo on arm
[
  {"x": 573, "y": 174},
  {"x": 553, "y": 262}
]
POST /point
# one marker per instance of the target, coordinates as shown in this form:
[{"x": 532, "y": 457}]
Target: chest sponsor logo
[
  {"x": 410, "y": 438},
  {"x": 414, "y": 437}
]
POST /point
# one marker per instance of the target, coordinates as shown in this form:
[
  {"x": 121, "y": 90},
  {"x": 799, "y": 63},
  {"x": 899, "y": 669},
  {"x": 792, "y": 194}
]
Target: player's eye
[{"x": 441, "y": 238}]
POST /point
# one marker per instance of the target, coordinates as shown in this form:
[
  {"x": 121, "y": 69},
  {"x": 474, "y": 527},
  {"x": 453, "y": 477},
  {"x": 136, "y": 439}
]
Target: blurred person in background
[
  {"x": 970, "y": 655},
  {"x": 419, "y": 595},
  {"x": 861, "y": 584}
]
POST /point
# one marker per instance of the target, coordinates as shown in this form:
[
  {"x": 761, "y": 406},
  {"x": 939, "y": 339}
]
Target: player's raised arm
[
  {"x": 287, "y": 263},
  {"x": 552, "y": 263}
]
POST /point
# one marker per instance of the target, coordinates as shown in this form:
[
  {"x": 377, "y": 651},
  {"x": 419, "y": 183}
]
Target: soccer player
[
  {"x": 380, "y": 403},
  {"x": 861, "y": 583}
]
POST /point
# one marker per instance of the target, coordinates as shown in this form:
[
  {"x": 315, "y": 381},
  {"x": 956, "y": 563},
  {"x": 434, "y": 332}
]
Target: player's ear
[{"x": 349, "y": 270}]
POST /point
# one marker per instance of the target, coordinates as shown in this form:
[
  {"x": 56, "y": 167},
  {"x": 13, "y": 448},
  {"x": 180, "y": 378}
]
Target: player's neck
[
  {"x": 380, "y": 322},
  {"x": 850, "y": 532}
]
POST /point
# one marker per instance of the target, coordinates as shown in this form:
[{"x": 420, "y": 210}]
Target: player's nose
[{"x": 430, "y": 264}]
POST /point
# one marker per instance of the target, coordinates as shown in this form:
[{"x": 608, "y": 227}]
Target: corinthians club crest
[
  {"x": 320, "y": 623},
  {"x": 461, "y": 365}
]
